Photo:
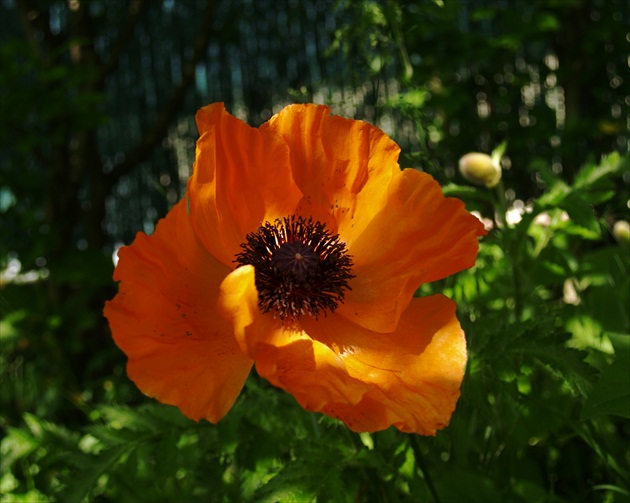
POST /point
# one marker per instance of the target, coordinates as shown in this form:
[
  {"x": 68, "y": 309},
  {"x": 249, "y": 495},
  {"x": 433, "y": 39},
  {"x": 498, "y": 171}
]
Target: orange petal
[
  {"x": 418, "y": 237},
  {"x": 409, "y": 378},
  {"x": 238, "y": 299},
  {"x": 180, "y": 350},
  {"x": 238, "y": 302},
  {"x": 342, "y": 166},
  {"x": 242, "y": 178},
  {"x": 284, "y": 352},
  {"x": 414, "y": 373}
]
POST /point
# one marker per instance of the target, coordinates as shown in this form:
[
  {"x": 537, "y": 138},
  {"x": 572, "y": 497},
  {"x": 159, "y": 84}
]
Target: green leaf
[
  {"x": 166, "y": 456},
  {"x": 604, "y": 278},
  {"x": 611, "y": 394},
  {"x": 109, "y": 437},
  {"x": 497, "y": 153},
  {"x": 609, "y": 166},
  {"x": 51, "y": 433},
  {"x": 547, "y": 22},
  {"x": 593, "y": 185},
  {"x": 557, "y": 189},
  {"x": 481, "y": 14},
  {"x": 21, "y": 443},
  {"x": 16, "y": 445},
  {"x": 537, "y": 343},
  {"x": 139, "y": 420},
  {"x": 595, "y": 182},
  {"x": 309, "y": 479},
  {"x": 582, "y": 215},
  {"x": 93, "y": 467}
]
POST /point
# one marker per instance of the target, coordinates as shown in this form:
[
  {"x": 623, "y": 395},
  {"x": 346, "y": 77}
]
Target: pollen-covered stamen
[{"x": 300, "y": 267}]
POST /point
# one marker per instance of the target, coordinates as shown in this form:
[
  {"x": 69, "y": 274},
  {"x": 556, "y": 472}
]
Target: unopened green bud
[
  {"x": 621, "y": 231},
  {"x": 480, "y": 169}
]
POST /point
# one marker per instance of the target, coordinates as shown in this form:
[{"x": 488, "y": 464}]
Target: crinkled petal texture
[
  {"x": 180, "y": 350},
  {"x": 409, "y": 378},
  {"x": 242, "y": 177},
  {"x": 398, "y": 226}
]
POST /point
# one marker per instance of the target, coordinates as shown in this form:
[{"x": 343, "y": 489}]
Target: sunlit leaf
[
  {"x": 610, "y": 165},
  {"x": 16, "y": 445},
  {"x": 611, "y": 394}
]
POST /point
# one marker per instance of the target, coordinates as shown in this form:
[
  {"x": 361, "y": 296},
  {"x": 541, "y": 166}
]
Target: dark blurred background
[{"x": 97, "y": 129}]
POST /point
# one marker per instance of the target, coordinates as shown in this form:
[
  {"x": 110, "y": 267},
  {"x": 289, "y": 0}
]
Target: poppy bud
[
  {"x": 480, "y": 169},
  {"x": 621, "y": 231}
]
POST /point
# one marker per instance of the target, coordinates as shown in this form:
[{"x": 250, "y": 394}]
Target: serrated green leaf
[
  {"x": 111, "y": 437},
  {"x": 306, "y": 481},
  {"x": 604, "y": 277},
  {"x": 565, "y": 364},
  {"x": 80, "y": 483},
  {"x": 16, "y": 445},
  {"x": 611, "y": 394},
  {"x": 166, "y": 415},
  {"x": 557, "y": 189},
  {"x": 535, "y": 342},
  {"x": 20, "y": 443},
  {"x": 582, "y": 216},
  {"x": 50, "y": 432},
  {"x": 166, "y": 456},
  {"x": 610, "y": 165},
  {"x": 134, "y": 419},
  {"x": 295, "y": 482},
  {"x": 593, "y": 185}
]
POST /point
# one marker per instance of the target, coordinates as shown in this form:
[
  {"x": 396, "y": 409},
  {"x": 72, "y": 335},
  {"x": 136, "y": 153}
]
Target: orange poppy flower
[{"x": 298, "y": 247}]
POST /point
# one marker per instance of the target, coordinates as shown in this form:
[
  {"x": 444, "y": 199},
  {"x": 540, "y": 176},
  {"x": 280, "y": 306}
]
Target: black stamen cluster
[{"x": 300, "y": 267}]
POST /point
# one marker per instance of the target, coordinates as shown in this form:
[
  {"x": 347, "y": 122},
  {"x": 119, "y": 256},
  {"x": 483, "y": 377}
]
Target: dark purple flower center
[{"x": 300, "y": 267}]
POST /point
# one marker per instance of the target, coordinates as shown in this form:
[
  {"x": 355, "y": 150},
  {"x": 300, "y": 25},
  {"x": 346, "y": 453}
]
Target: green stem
[
  {"x": 422, "y": 466},
  {"x": 500, "y": 205},
  {"x": 510, "y": 247},
  {"x": 547, "y": 234},
  {"x": 516, "y": 280},
  {"x": 315, "y": 426}
]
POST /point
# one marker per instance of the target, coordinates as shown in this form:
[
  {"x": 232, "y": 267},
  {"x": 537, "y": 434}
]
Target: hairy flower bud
[
  {"x": 480, "y": 169},
  {"x": 621, "y": 231}
]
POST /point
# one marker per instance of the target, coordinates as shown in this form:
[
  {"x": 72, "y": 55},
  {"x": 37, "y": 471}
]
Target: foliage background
[{"x": 97, "y": 138}]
